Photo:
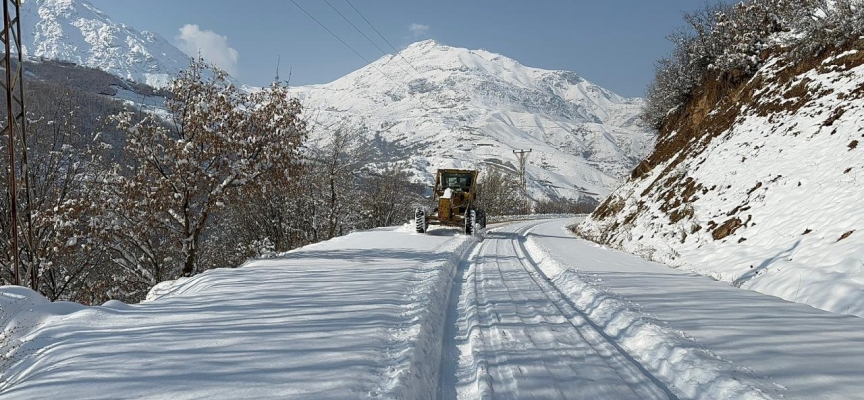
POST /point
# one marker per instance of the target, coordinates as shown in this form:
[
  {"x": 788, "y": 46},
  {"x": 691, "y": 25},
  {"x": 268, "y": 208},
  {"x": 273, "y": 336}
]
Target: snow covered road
[
  {"x": 788, "y": 350},
  {"x": 527, "y": 312},
  {"x": 519, "y": 337}
]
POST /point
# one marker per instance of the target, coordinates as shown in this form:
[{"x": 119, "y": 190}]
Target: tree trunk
[
  {"x": 332, "y": 217},
  {"x": 192, "y": 240}
]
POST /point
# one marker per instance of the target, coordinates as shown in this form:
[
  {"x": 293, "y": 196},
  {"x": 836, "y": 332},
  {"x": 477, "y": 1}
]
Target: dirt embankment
[{"x": 779, "y": 90}]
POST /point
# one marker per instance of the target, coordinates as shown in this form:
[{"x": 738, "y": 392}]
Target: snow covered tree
[
  {"x": 674, "y": 81},
  {"x": 826, "y": 23},
  {"x": 726, "y": 44},
  {"x": 55, "y": 193},
  {"x": 178, "y": 171},
  {"x": 262, "y": 219},
  {"x": 58, "y": 245}
]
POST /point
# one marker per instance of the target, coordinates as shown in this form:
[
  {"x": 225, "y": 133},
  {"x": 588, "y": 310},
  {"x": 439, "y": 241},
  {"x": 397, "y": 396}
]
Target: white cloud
[
  {"x": 418, "y": 29},
  {"x": 213, "y": 47}
]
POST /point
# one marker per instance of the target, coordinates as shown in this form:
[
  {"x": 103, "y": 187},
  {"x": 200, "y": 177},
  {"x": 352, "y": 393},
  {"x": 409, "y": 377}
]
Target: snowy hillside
[
  {"x": 763, "y": 191},
  {"x": 456, "y": 107},
  {"x": 75, "y": 31}
]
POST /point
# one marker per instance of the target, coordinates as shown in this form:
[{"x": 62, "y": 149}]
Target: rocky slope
[{"x": 761, "y": 187}]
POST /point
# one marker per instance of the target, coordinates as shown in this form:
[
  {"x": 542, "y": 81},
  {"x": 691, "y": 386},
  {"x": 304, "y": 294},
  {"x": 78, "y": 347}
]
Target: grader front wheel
[
  {"x": 420, "y": 220},
  {"x": 470, "y": 220}
]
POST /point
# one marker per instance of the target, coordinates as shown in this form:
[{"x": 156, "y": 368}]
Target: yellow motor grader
[{"x": 455, "y": 195}]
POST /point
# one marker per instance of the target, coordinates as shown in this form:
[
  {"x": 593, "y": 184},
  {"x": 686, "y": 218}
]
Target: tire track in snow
[
  {"x": 617, "y": 357},
  {"x": 458, "y": 343},
  {"x": 511, "y": 334},
  {"x": 678, "y": 361}
]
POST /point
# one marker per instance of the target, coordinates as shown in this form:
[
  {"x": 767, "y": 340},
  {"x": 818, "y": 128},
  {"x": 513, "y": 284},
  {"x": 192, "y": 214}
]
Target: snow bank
[
  {"x": 22, "y": 313},
  {"x": 164, "y": 289},
  {"x": 360, "y": 316},
  {"x": 416, "y": 348},
  {"x": 418, "y": 377},
  {"x": 669, "y": 355},
  {"x": 509, "y": 218},
  {"x": 472, "y": 343}
]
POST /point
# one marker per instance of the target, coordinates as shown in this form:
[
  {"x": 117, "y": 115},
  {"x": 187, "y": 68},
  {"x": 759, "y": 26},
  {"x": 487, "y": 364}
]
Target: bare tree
[
  {"x": 389, "y": 197},
  {"x": 335, "y": 168},
  {"x": 177, "y": 175},
  {"x": 500, "y": 193},
  {"x": 57, "y": 245},
  {"x": 583, "y": 205}
]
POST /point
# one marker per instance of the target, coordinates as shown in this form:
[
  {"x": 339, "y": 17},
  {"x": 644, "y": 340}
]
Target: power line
[
  {"x": 407, "y": 89},
  {"x": 364, "y": 35},
  {"x": 354, "y": 26},
  {"x": 331, "y": 32},
  {"x": 382, "y": 37}
]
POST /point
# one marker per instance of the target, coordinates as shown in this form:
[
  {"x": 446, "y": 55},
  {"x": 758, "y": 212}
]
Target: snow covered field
[{"x": 527, "y": 311}]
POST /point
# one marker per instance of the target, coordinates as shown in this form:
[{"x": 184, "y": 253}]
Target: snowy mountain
[
  {"x": 75, "y": 31},
  {"x": 439, "y": 106},
  {"x": 762, "y": 189},
  {"x": 455, "y": 107}
]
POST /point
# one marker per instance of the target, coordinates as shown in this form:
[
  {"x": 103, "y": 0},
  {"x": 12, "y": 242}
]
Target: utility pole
[
  {"x": 15, "y": 120},
  {"x": 523, "y": 156}
]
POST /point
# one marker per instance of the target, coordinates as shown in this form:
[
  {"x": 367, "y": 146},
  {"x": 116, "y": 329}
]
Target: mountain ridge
[
  {"x": 447, "y": 107},
  {"x": 585, "y": 138},
  {"x": 76, "y": 31}
]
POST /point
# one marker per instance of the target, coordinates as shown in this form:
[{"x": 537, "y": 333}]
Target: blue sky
[{"x": 612, "y": 43}]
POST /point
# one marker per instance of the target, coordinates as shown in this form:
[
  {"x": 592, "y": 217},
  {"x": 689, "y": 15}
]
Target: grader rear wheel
[{"x": 481, "y": 219}]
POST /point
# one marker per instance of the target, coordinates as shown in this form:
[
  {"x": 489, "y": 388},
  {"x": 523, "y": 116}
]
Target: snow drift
[{"x": 358, "y": 316}]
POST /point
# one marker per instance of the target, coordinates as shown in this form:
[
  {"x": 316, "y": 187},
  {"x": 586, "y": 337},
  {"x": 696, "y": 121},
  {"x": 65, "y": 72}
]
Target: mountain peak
[
  {"x": 76, "y": 31},
  {"x": 483, "y": 105},
  {"x": 423, "y": 44},
  {"x": 433, "y": 54}
]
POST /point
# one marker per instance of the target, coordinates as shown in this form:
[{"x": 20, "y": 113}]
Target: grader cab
[{"x": 455, "y": 195}]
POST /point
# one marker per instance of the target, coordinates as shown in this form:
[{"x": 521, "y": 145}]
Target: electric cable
[
  {"x": 365, "y": 36},
  {"x": 407, "y": 89},
  {"x": 382, "y": 37}
]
